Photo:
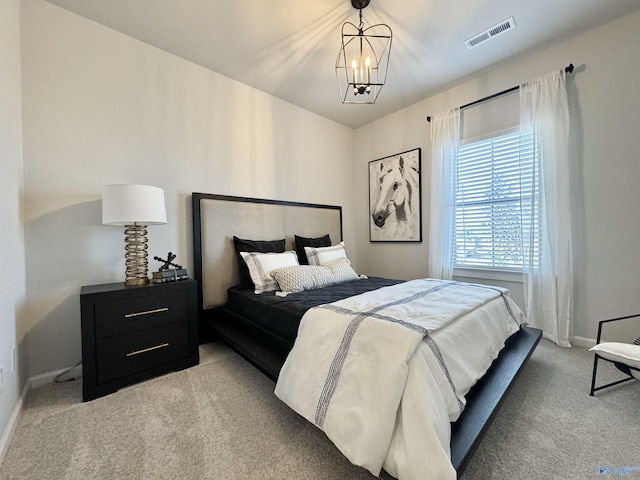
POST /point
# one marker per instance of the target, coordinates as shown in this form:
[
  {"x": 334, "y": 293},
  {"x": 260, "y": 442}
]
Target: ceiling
[{"x": 288, "y": 48}]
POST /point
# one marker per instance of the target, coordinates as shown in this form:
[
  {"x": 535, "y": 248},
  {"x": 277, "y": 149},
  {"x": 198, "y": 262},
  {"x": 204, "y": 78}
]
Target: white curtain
[
  {"x": 445, "y": 138},
  {"x": 548, "y": 271}
]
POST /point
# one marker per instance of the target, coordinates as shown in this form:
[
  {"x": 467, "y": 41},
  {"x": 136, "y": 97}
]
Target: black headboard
[{"x": 217, "y": 218}]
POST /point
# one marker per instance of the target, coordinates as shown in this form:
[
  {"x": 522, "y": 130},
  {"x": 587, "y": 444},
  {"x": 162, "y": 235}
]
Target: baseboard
[
  {"x": 583, "y": 342},
  {"x": 49, "y": 377},
  {"x": 5, "y": 440},
  {"x": 33, "y": 382}
]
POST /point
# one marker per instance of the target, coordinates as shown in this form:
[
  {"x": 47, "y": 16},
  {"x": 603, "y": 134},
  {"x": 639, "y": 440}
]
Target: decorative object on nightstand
[
  {"x": 131, "y": 334},
  {"x": 135, "y": 207},
  {"x": 169, "y": 271}
]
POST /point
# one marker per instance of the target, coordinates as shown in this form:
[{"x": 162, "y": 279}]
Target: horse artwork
[{"x": 395, "y": 198}]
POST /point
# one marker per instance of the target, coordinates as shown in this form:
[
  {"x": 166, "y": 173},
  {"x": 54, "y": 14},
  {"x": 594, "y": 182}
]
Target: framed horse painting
[{"x": 395, "y": 198}]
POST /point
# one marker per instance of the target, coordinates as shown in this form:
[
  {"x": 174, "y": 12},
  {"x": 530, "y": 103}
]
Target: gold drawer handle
[
  {"x": 138, "y": 352},
  {"x": 147, "y": 312}
]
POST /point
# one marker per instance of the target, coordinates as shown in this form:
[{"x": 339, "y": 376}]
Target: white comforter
[{"x": 384, "y": 373}]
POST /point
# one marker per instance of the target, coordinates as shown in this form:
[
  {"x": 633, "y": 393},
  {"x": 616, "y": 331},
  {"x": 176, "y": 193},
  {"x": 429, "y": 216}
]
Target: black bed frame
[{"x": 267, "y": 352}]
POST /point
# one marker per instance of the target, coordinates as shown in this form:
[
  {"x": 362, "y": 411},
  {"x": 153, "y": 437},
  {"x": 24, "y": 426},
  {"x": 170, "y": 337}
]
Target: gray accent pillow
[{"x": 308, "y": 277}]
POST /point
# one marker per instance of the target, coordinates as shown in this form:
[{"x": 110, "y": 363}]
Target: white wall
[
  {"x": 12, "y": 282},
  {"x": 100, "y": 107},
  {"x": 605, "y": 114}
]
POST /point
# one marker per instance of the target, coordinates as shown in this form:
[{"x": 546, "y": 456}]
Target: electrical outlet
[{"x": 14, "y": 359}]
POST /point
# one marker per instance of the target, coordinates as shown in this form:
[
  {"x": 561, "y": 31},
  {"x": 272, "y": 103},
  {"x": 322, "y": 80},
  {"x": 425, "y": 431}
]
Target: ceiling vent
[{"x": 489, "y": 33}]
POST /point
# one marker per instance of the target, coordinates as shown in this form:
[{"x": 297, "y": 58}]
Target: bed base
[
  {"x": 260, "y": 347},
  {"x": 267, "y": 352}
]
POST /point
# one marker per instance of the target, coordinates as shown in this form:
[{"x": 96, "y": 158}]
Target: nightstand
[{"x": 132, "y": 333}]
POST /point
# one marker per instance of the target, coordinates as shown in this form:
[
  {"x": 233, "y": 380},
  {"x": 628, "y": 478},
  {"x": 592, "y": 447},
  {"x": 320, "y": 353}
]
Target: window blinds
[
  {"x": 488, "y": 186},
  {"x": 492, "y": 175}
]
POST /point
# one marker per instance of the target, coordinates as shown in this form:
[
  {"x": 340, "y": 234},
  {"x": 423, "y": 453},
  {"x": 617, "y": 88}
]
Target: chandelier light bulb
[
  {"x": 354, "y": 65},
  {"x": 367, "y": 63}
]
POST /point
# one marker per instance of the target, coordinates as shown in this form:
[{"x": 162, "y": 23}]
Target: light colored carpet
[
  {"x": 550, "y": 428},
  {"x": 220, "y": 420}
]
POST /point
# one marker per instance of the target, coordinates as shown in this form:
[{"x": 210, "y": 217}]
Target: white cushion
[
  {"x": 260, "y": 264},
  {"x": 626, "y": 353},
  {"x": 323, "y": 255},
  {"x": 307, "y": 277}
]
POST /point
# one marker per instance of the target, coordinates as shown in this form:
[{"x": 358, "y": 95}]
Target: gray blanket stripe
[
  {"x": 500, "y": 291},
  {"x": 331, "y": 383},
  {"x": 430, "y": 342},
  {"x": 386, "y": 318},
  {"x": 506, "y": 304}
]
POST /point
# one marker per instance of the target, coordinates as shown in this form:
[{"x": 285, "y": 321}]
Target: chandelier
[{"x": 363, "y": 60}]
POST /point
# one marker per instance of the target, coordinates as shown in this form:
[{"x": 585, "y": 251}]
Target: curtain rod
[{"x": 568, "y": 69}]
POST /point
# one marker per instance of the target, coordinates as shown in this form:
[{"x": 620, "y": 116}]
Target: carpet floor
[{"x": 220, "y": 420}]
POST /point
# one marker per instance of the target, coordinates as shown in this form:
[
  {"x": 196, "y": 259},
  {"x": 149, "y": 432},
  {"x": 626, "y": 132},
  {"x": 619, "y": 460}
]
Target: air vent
[{"x": 488, "y": 34}]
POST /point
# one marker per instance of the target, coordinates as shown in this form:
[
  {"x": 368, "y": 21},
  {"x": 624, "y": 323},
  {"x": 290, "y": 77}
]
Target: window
[{"x": 492, "y": 177}]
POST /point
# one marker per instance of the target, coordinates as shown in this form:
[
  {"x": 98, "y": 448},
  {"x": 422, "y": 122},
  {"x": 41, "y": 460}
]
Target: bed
[{"x": 267, "y": 339}]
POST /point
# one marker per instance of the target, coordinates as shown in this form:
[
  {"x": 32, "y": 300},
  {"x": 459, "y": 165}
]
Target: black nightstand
[{"x": 132, "y": 333}]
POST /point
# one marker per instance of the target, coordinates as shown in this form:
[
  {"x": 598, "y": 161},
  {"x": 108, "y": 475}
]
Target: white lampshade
[
  {"x": 135, "y": 207},
  {"x": 129, "y": 204}
]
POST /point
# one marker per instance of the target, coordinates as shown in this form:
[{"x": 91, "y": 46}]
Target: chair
[{"x": 625, "y": 356}]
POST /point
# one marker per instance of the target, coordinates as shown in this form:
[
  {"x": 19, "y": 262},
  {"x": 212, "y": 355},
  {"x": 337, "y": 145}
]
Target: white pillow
[
  {"x": 323, "y": 255},
  {"x": 260, "y": 264},
  {"x": 626, "y": 353},
  {"x": 307, "y": 277}
]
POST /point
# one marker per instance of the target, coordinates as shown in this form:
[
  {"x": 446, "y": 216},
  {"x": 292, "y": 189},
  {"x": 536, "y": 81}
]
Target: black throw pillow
[{"x": 302, "y": 242}]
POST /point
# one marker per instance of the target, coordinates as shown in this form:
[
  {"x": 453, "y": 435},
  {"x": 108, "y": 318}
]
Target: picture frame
[{"x": 395, "y": 197}]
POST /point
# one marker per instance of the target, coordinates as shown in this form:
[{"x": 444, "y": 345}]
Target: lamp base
[{"x": 135, "y": 239}]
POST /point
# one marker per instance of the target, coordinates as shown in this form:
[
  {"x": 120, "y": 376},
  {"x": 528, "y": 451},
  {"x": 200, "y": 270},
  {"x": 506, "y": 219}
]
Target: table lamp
[{"x": 135, "y": 207}]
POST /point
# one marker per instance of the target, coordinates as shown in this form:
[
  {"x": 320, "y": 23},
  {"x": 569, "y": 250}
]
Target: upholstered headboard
[{"x": 217, "y": 218}]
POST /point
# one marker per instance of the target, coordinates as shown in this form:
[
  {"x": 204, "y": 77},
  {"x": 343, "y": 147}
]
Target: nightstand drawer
[
  {"x": 121, "y": 355},
  {"x": 142, "y": 312}
]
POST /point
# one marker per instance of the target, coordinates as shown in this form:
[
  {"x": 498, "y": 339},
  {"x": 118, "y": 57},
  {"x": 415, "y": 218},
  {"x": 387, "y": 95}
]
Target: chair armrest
[{"x": 602, "y": 322}]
